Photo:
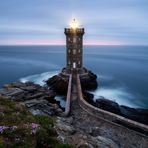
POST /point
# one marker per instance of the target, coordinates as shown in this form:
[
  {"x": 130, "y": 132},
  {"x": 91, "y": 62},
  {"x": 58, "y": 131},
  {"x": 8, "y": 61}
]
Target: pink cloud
[
  {"x": 52, "y": 42},
  {"x": 31, "y": 42},
  {"x": 94, "y": 42}
]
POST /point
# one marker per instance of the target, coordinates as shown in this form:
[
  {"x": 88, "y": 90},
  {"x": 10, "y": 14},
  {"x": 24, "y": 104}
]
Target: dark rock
[
  {"x": 58, "y": 84},
  {"x": 108, "y": 105},
  {"x": 50, "y": 93},
  {"x": 139, "y": 115},
  {"x": 29, "y": 88},
  {"x": 89, "y": 82},
  {"x": 11, "y": 91},
  {"x": 36, "y": 95},
  {"x": 39, "y": 100},
  {"x": 35, "y": 102},
  {"x": 89, "y": 98}
]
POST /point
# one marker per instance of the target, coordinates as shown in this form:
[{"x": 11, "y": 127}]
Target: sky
[{"x": 106, "y": 22}]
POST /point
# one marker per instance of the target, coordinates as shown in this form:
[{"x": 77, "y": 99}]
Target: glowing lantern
[{"x": 74, "y": 24}]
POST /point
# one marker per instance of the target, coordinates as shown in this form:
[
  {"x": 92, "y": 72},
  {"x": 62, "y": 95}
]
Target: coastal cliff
[
  {"x": 136, "y": 114},
  {"x": 79, "y": 130},
  {"x": 59, "y": 84}
]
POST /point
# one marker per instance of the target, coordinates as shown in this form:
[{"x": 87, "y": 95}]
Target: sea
[{"x": 122, "y": 70}]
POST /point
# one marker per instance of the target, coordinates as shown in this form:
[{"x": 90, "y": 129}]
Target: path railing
[
  {"x": 99, "y": 113},
  {"x": 68, "y": 98},
  {"x": 108, "y": 116}
]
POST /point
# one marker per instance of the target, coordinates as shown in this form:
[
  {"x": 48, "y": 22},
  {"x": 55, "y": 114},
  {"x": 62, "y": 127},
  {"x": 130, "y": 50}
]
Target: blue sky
[{"x": 43, "y": 21}]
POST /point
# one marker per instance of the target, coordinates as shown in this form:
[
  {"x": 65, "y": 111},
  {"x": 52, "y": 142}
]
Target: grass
[{"x": 19, "y": 128}]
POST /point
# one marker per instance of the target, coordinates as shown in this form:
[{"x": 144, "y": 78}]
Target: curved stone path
[{"x": 85, "y": 130}]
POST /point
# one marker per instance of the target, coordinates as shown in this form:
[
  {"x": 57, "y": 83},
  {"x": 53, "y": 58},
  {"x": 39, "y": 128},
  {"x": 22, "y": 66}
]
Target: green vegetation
[{"x": 19, "y": 128}]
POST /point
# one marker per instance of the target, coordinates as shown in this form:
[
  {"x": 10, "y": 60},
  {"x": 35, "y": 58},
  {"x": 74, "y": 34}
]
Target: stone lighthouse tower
[{"x": 74, "y": 48}]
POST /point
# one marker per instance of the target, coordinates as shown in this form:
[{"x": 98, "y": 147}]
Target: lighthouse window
[
  {"x": 79, "y": 62},
  {"x": 74, "y": 65},
  {"x": 68, "y": 39},
  {"x": 74, "y": 51},
  {"x": 79, "y": 50},
  {"x": 74, "y": 39},
  {"x": 69, "y": 50}
]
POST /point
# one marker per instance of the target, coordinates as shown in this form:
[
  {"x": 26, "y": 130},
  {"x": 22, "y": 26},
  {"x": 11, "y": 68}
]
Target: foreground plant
[{"x": 18, "y": 128}]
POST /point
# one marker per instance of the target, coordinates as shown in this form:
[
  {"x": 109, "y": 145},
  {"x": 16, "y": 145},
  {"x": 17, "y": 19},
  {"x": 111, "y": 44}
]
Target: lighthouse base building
[
  {"x": 74, "y": 63},
  {"x": 74, "y": 50}
]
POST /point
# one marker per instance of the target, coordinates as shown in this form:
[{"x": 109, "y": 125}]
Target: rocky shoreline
[
  {"x": 39, "y": 100},
  {"x": 59, "y": 83},
  {"x": 136, "y": 114},
  {"x": 89, "y": 81}
]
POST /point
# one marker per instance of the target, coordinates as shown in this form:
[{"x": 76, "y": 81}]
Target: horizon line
[
  {"x": 65, "y": 44},
  {"x": 46, "y": 42}
]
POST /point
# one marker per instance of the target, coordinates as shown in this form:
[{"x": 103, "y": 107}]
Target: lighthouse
[{"x": 74, "y": 48}]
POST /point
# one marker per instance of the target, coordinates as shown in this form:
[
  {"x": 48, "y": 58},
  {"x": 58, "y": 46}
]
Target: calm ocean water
[{"x": 122, "y": 70}]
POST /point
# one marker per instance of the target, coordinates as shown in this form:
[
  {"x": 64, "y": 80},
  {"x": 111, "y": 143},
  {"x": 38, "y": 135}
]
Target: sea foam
[
  {"x": 39, "y": 78},
  {"x": 118, "y": 94}
]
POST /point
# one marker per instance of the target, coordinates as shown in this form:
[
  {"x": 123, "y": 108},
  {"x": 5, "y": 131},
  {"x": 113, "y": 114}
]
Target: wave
[
  {"x": 105, "y": 77},
  {"x": 39, "y": 78},
  {"x": 119, "y": 95},
  {"x": 62, "y": 100}
]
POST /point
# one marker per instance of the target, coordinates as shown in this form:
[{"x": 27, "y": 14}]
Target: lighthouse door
[{"x": 74, "y": 65}]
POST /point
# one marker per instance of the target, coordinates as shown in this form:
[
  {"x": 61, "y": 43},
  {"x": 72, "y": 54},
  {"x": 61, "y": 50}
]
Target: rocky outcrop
[
  {"x": 80, "y": 129},
  {"x": 136, "y": 114},
  {"x": 39, "y": 100},
  {"x": 89, "y": 81},
  {"x": 58, "y": 84},
  {"x": 108, "y": 105},
  {"x": 89, "y": 97},
  {"x": 74, "y": 134}
]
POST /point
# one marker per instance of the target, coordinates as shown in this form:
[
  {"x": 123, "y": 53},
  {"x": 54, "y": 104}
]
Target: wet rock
[
  {"x": 58, "y": 84},
  {"x": 89, "y": 98},
  {"x": 89, "y": 82},
  {"x": 136, "y": 114},
  {"x": 108, "y": 105}
]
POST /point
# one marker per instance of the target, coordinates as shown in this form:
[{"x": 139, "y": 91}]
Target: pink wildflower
[
  {"x": 34, "y": 127},
  {"x": 2, "y": 128}
]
